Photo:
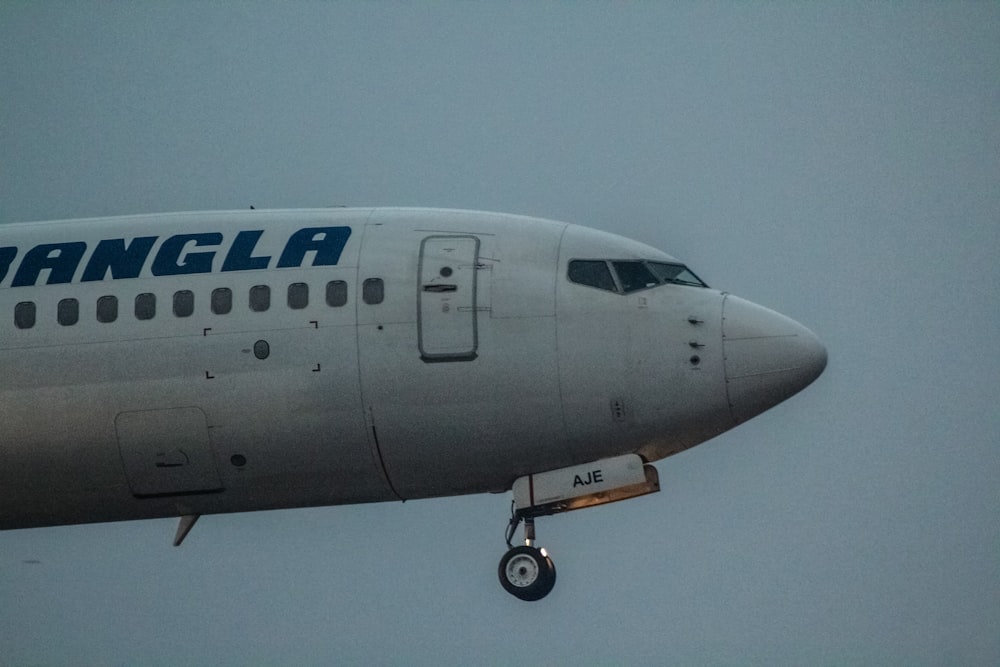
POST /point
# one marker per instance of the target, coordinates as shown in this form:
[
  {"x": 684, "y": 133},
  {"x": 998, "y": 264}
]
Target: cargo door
[
  {"x": 446, "y": 298},
  {"x": 167, "y": 452}
]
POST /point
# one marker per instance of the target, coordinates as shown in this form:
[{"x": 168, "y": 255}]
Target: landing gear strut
[{"x": 526, "y": 572}]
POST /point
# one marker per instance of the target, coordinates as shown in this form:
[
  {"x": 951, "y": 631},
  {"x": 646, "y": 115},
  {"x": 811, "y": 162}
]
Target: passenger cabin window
[
  {"x": 298, "y": 296},
  {"x": 68, "y": 312},
  {"x": 107, "y": 309},
  {"x": 336, "y": 293},
  {"x": 260, "y": 298},
  {"x": 145, "y": 306},
  {"x": 373, "y": 291},
  {"x": 183, "y": 303},
  {"x": 24, "y": 315},
  {"x": 222, "y": 300}
]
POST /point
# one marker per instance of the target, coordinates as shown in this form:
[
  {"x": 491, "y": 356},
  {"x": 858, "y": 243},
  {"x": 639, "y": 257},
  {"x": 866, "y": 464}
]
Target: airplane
[{"x": 182, "y": 364}]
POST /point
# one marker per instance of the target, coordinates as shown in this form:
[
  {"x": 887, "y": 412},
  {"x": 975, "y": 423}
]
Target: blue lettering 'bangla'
[
  {"x": 7, "y": 256},
  {"x": 240, "y": 256},
  {"x": 60, "y": 258},
  {"x": 169, "y": 260},
  {"x": 123, "y": 261},
  {"x": 176, "y": 255},
  {"x": 326, "y": 242}
]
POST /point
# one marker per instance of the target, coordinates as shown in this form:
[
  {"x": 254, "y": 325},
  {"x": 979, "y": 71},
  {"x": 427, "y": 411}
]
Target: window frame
[
  {"x": 295, "y": 289},
  {"x": 103, "y": 313},
  {"x": 265, "y": 291},
  {"x": 148, "y": 301},
  {"x": 183, "y": 303},
  {"x": 70, "y": 307},
  {"x": 336, "y": 284},
  {"x": 221, "y": 296},
  {"x": 375, "y": 284},
  {"x": 28, "y": 307}
]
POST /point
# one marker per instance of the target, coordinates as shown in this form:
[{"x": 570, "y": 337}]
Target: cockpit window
[
  {"x": 625, "y": 276},
  {"x": 592, "y": 272},
  {"x": 635, "y": 276},
  {"x": 675, "y": 273}
]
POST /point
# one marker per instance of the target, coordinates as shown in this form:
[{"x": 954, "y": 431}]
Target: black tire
[{"x": 527, "y": 573}]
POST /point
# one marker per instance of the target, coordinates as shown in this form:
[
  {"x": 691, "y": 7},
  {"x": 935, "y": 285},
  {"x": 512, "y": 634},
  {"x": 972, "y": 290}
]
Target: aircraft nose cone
[{"x": 768, "y": 357}]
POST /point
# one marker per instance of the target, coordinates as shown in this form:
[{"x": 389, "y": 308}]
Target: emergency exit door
[{"x": 446, "y": 308}]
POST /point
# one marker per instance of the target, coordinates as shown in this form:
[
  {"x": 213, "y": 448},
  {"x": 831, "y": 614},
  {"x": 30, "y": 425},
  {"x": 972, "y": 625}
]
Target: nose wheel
[{"x": 526, "y": 572}]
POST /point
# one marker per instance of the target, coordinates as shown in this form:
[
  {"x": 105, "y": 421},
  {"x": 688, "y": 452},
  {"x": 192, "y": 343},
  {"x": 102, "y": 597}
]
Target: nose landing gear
[{"x": 526, "y": 572}]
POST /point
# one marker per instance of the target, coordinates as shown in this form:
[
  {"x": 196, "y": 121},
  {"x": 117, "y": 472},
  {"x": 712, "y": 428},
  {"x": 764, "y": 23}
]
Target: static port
[{"x": 238, "y": 460}]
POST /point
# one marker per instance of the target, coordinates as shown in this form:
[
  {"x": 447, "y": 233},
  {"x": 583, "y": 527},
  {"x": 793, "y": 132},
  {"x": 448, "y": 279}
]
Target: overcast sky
[{"x": 837, "y": 162}]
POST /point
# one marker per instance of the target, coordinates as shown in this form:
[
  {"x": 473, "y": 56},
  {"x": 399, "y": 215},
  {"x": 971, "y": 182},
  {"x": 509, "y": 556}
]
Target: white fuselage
[{"x": 201, "y": 363}]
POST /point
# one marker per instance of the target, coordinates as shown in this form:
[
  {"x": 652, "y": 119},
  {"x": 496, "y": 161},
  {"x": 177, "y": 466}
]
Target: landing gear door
[{"x": 446, "y": 298}]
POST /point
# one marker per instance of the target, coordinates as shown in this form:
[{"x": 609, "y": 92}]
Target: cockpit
[{"x": 626, "y": 276}]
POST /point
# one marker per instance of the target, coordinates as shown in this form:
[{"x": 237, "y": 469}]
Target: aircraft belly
[{"x": 196, "y": 424}]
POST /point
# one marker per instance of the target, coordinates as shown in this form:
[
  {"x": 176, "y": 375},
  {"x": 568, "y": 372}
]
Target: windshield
[
  {"x": 635, "y": 276},
  {"x": 625, "y": 276},
  {"x": 675, "y": 273}
]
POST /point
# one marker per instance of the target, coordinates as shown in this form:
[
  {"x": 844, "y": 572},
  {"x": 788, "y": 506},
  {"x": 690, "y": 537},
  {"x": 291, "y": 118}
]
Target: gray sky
[{"x": 838, "y": 162}]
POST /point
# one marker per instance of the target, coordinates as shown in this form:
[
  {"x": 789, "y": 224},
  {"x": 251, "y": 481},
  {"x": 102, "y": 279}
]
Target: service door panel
[
  {"x": 458, "y": 400},
  {"x": 446, "y": 325}
]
